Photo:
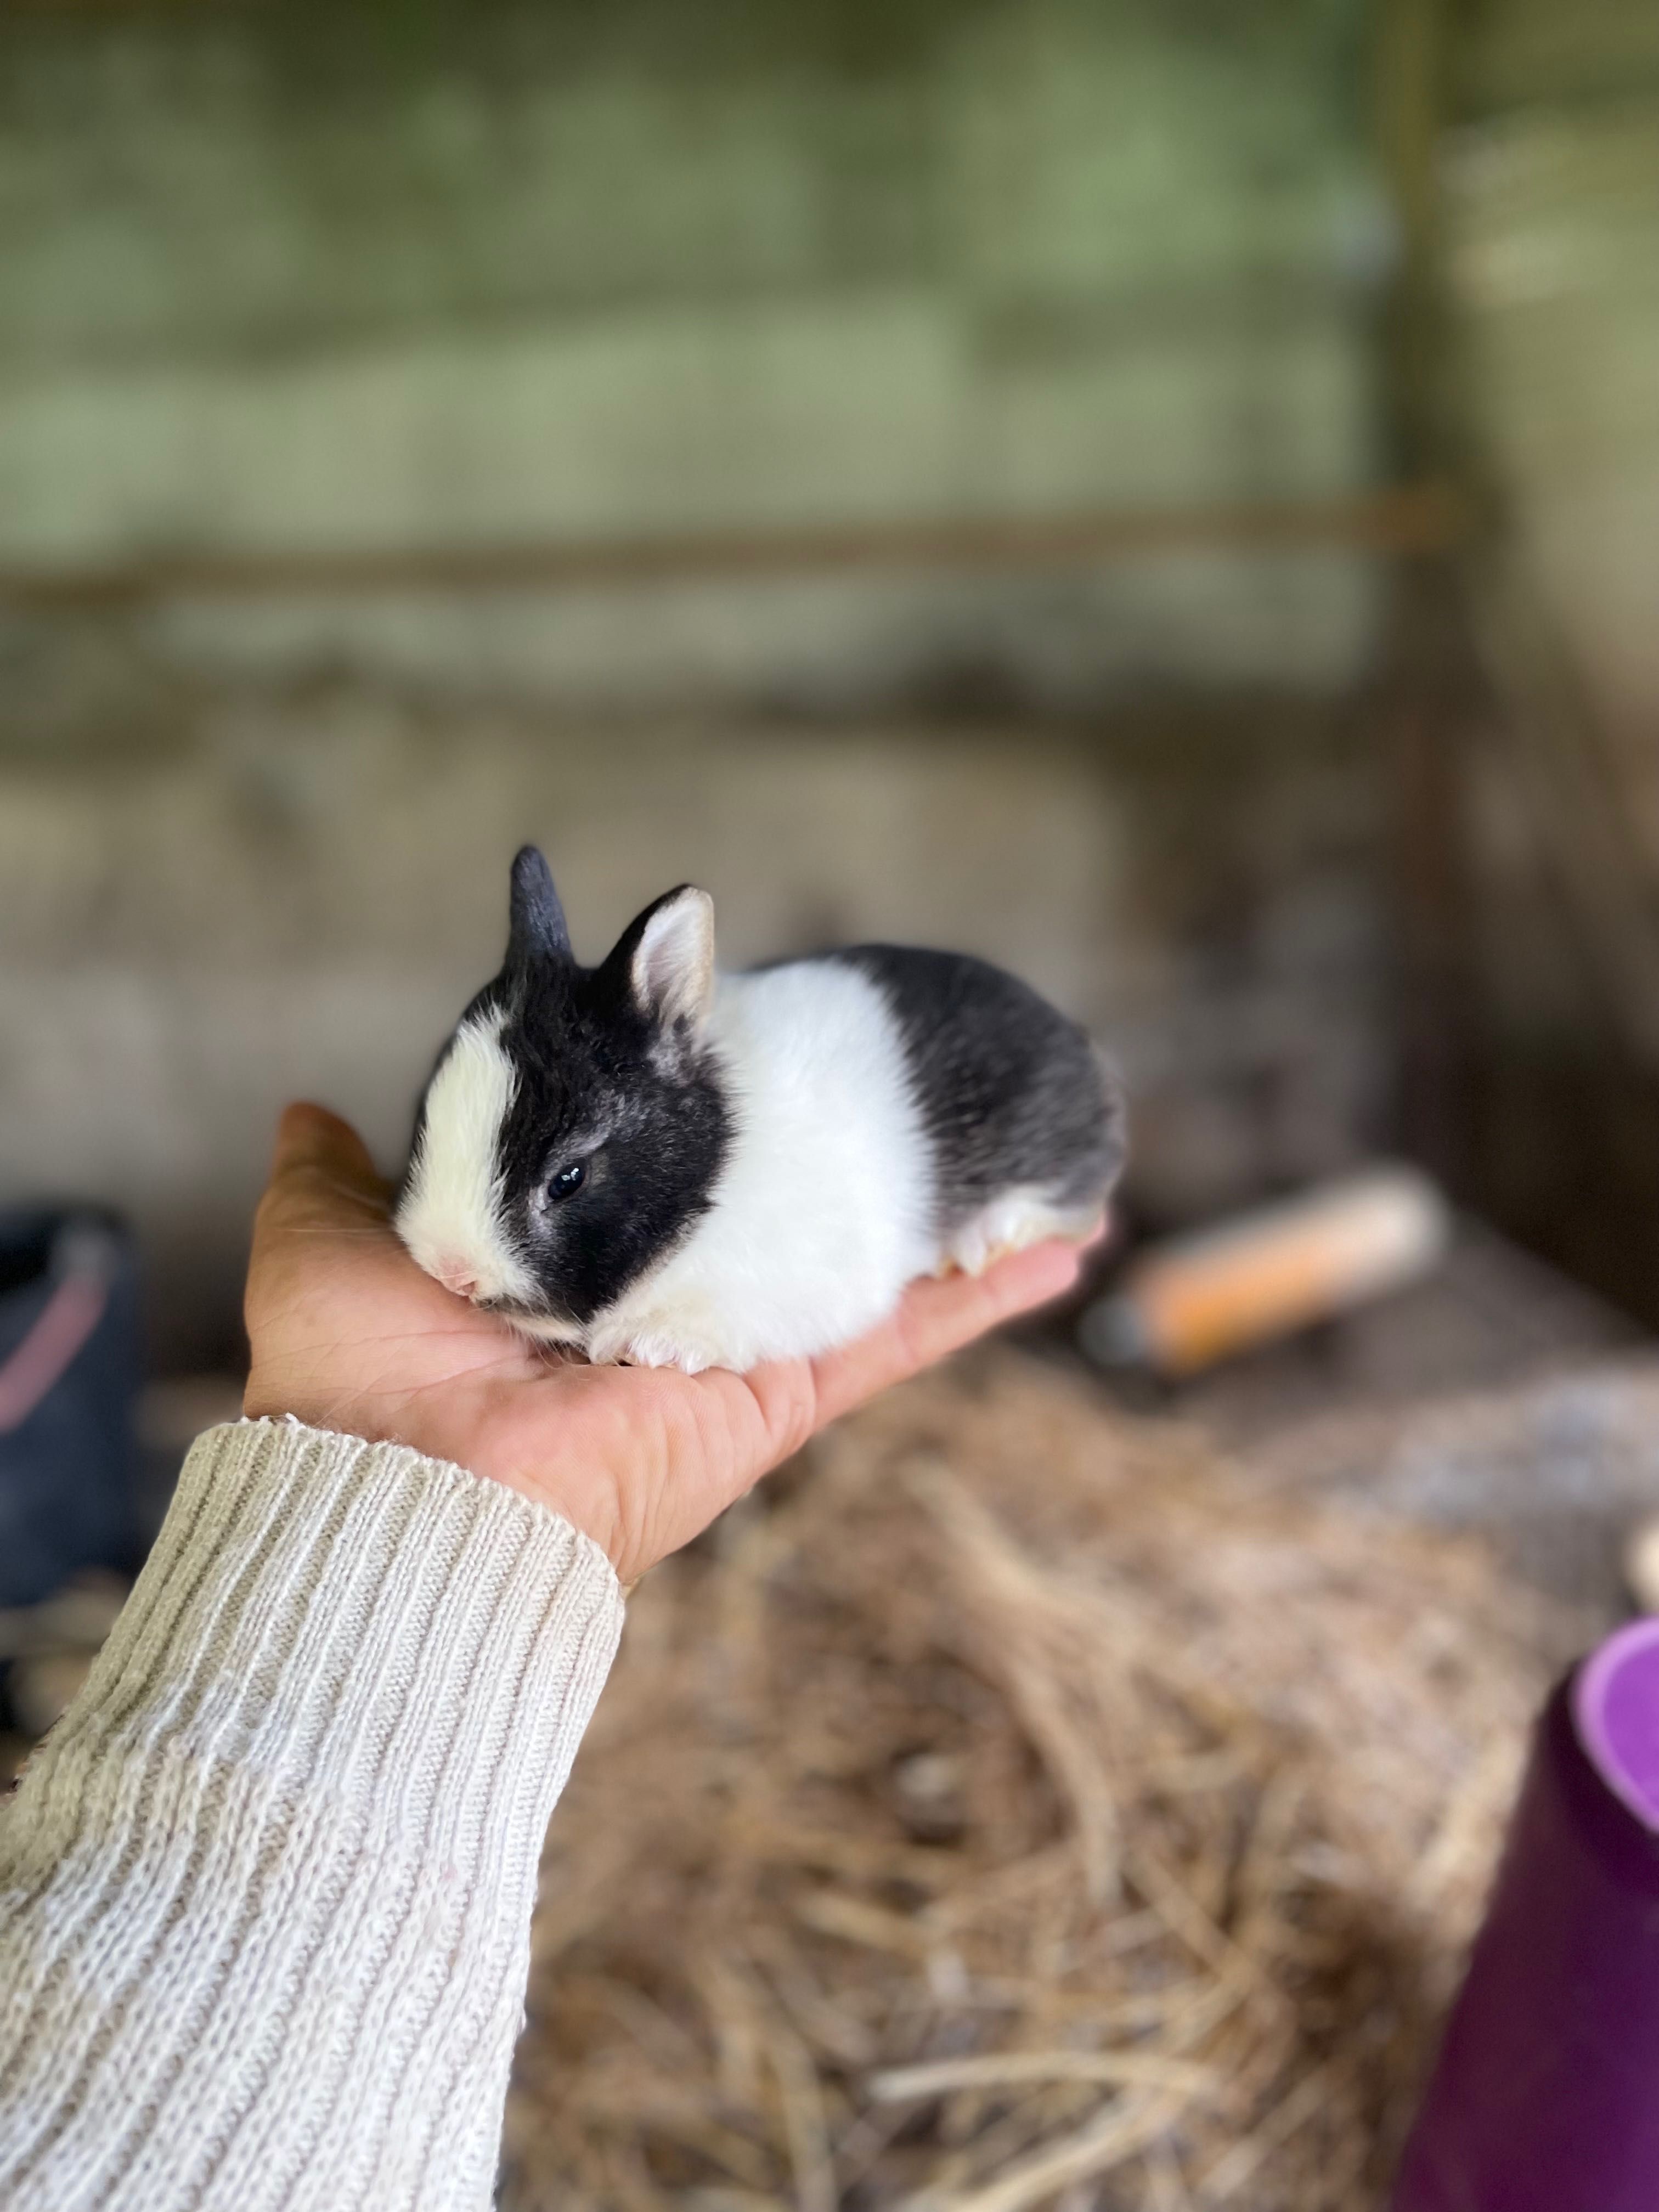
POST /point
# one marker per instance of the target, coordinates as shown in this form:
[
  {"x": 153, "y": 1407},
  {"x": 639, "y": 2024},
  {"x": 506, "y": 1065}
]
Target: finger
[
  {"x": 937, "y": 1318},
  {"x": 309, "y": 1136},
  {"x": 321, "y": 1176}
]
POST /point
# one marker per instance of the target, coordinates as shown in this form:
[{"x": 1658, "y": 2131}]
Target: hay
[{"x": 1009, "y": 1808}]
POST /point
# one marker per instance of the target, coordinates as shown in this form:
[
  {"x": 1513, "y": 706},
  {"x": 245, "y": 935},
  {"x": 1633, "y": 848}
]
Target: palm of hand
[{"x": 347, "y": 1334}]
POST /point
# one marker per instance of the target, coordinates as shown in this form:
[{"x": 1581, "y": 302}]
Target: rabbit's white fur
[
  {"x": 1014, "y": 1219},
  {"x": 823, "y": 1211},
  {"x": 450, "y": 1218}
]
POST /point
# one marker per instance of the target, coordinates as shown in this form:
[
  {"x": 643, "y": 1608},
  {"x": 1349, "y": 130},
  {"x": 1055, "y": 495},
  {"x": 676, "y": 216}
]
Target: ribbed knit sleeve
[{"x": 265, "y": 1890}]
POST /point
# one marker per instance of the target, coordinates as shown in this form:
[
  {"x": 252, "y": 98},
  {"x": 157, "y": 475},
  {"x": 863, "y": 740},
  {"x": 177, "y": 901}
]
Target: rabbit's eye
[{"x": 568, "y": 1181}]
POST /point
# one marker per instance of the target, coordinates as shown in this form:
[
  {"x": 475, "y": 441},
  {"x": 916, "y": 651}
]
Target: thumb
[
  {"x": 319, "y": 1167},
  {"x": 309, "y": 1137}
]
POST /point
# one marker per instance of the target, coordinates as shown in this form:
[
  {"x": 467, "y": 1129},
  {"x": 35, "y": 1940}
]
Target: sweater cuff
[
  {"x": 266, "y": 1890},
  {"x": 356, "y": 1625}
]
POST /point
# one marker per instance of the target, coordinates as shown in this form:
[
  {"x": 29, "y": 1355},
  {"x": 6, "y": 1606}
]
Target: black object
[{"x": 69, "y": 1377}]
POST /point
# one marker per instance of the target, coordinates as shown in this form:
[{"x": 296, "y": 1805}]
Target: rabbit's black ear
[
  {"x": 538, "y": 931},
  {"x": 667, "y": 956}
]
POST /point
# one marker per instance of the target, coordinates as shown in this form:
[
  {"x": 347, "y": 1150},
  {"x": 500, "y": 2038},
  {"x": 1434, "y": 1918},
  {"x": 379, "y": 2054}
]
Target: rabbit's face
[{"x": 574, "y": 1129}]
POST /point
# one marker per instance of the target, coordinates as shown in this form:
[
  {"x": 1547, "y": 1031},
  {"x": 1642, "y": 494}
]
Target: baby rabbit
[{"x": 660, "y": 1164}]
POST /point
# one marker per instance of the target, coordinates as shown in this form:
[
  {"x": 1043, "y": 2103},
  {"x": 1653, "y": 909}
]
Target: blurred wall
[
  {"x": 431, "y": 276},
  {"x": 300, "y": 896},
  {"x": 1551, "y": 208},
  {"x": 316, "y": 280}
]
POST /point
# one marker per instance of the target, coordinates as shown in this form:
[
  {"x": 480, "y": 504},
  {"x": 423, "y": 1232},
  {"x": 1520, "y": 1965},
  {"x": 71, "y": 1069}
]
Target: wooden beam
[{"x": 1401, "y": 519}]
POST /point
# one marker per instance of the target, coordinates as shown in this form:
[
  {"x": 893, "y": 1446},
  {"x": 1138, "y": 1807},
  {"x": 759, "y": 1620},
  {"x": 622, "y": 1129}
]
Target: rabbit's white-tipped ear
[{"x": 672, "y": 967}]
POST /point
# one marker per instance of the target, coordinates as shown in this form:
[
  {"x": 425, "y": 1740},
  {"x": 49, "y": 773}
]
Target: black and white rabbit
[{"x": 660, "y": 1164}]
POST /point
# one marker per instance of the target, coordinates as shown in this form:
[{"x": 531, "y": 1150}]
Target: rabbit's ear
[
  {"x": 669, "y": 954},
  {"x": 537, "y": 930}
]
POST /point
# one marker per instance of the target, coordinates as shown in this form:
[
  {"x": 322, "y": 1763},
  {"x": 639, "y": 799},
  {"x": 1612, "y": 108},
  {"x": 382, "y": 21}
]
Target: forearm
[{"x": 265, "y": 1892}]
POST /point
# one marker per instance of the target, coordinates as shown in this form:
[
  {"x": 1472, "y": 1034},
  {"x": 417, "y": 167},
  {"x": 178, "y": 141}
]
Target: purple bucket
[{"x": 1546, "y": 2094}]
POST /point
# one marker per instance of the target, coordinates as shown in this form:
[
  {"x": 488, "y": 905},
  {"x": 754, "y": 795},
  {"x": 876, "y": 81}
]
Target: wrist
[{"x": 468, "y": 1431}]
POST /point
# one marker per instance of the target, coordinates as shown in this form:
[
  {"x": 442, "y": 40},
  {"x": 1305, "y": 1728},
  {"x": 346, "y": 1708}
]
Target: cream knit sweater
[{"x": 265, "y": 1890}]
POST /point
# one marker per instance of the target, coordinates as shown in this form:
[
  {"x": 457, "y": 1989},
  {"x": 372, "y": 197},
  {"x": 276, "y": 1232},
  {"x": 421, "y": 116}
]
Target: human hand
[{"x": 347, "y": 1334}]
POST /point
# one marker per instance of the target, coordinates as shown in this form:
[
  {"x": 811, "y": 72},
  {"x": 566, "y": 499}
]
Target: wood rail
[{"x": 1403, "y": 520}]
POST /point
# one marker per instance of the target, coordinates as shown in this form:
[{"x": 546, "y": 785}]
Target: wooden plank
[{"x": 1403, "y": 519}]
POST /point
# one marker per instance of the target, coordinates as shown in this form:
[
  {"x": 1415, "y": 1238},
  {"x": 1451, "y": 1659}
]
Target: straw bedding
[{"x": 1007, "y": 1808}]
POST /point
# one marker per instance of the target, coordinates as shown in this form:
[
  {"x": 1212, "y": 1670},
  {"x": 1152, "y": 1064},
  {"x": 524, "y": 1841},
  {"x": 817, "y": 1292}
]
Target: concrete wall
[
  {"x": 571, "y": 273},
  {"x": 313, "y": 280},
  {"x": 301, "y": 896},
  {"x": 1553, "y": 203}
]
